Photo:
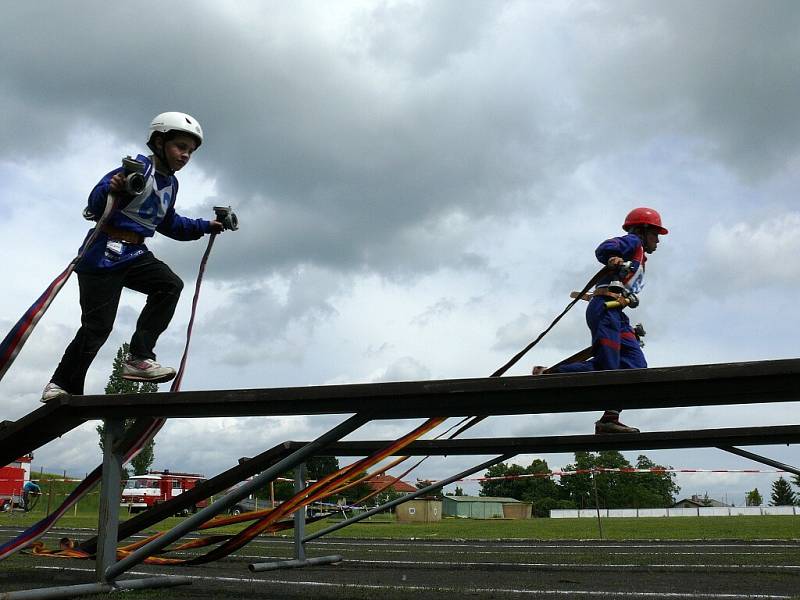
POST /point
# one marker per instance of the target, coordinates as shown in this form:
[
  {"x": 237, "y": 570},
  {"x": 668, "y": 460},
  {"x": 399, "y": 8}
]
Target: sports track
[{"x": 438, "y": 569}]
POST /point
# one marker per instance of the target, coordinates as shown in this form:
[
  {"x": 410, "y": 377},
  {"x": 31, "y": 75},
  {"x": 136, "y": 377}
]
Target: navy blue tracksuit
[{"x": 614, "y": 343}]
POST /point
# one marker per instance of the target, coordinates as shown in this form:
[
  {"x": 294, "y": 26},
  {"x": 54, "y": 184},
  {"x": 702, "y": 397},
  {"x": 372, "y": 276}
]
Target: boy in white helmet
[{"x": 118, "y": 258}]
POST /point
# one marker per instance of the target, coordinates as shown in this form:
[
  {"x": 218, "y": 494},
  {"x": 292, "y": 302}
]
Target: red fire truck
[
  {"x": 143, "y": 491},
  {"x": 12, "y": 478}
]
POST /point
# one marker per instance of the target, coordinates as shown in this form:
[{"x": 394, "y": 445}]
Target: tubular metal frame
[{"x": 704, "y": 385}]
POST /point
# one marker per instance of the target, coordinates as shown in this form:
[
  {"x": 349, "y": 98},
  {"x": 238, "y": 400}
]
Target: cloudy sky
[{"x": 420, "y": 185}]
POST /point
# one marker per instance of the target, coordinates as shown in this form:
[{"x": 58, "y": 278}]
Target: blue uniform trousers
[{"x": 613, "y": 341}]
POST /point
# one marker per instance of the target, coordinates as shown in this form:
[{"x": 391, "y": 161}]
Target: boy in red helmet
[
  {"x": 118, "y": 257},
  {"x": 614, "y": 343}
]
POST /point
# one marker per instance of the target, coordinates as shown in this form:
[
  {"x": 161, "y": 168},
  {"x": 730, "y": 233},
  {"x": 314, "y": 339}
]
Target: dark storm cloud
[
  {"x": 725, "y": 73},
  {"x": 343, "y": 149}
]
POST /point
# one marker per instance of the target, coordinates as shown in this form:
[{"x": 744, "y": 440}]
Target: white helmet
[{"x": 175, "y": 121}]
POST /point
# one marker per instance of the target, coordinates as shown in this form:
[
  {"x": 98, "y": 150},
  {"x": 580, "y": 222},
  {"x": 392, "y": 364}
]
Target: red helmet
[{"x": 644, "y": 216}]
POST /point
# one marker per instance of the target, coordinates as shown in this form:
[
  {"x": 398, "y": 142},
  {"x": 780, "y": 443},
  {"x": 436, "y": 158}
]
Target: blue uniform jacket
[
  {"x": 152, "y": 210},
  {"x": 628, "y": 247}
]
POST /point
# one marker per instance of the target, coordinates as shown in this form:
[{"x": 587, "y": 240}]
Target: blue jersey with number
[
  {"x": 628, "y": 247},
  {"x": 152, "y": 210}
]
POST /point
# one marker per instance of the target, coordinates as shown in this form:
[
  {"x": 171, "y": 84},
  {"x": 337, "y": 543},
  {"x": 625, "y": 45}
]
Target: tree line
[
  {"x": 654, "y": 489},
  {"x": 584, "y": 490}
]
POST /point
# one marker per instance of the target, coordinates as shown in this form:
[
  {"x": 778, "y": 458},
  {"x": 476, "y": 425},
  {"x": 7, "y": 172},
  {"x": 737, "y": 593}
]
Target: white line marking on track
[
  {"x": 581, "y": 565},
  {"x": 414, "y": 588},
  {"x": 523, "y": 564},
  {"x": 422, "y": 544}
]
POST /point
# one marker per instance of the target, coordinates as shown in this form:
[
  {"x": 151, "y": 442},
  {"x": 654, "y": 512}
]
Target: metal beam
[
  {"x": 410, "y": 496},
  {"x": 88, "y": 589},
  {"x": 108, "y": 517},
  {"x": 300, "y": 513},
  {"x": 729, "y": 383},
  {"x": 656, "y": 440},
  {"x": 35, "y": 429},
  {"x": 247, "y": 468},
  {"x": 190, "y": 523},
  {"x": 293, "y": 564},
  {"x": 762, "y": 459},
  {"x": 697, "y": 385},
  {"x": 701, "y": 438}
]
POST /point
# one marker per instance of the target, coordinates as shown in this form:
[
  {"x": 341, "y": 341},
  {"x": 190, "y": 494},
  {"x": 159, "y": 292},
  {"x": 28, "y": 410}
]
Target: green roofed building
[{"x": 475, "y": 507}]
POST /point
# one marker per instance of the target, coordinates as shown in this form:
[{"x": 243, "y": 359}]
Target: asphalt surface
[{"x": 405, "y": 569}]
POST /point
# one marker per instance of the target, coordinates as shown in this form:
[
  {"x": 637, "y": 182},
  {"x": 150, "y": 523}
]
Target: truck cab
[
  {"x": 144, "y": 491},
  {"x": 12, "y": 479}
]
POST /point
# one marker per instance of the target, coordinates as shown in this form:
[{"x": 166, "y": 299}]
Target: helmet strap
[{"x": 159, "y": 152}]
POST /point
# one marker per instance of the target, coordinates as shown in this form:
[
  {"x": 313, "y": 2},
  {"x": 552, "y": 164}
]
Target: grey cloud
[
  {"x": 753, "y": 255},
  {"x": 381, "y": 350},
  {"x": 405, "y": 369},
  {"x": 352, "y": 159},
  {"x": 443, "y": 307},
  {"x": 725, "y": 74},
  {"x": 276, "y": 319},
  {"x": 517, "y": 333},
  {"x": 409, "y": 36}
]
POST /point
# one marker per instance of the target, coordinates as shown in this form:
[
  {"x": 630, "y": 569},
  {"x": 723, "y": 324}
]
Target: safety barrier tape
[
  {"x": 47, "y": 480},
  {"x": 619, "y": 470}
]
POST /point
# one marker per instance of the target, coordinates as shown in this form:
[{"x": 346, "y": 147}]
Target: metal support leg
[
  {"x": 293, "y": 564},
  {"x": 411, "y": 496},
  {"x": 90, "y": 589},
  {"x": 300, "y": 559},
  {"x": 761, "y": 459},
  {"x": 109, "y": 498},
  {"x": 300, "y": 514},
  {"x": 231, "y": 498},
  {"x": 597, "y": 505}
]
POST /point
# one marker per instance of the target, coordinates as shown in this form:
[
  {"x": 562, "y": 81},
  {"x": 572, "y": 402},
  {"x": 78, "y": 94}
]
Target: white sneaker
[
  {"x": 146, "y": 369},
  {"x": 52, "y": 392}
]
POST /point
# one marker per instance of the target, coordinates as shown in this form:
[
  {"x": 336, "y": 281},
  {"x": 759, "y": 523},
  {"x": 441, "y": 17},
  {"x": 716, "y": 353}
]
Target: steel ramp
[
  {"x": 662, "y": 387},
  {"x": 34, "y": 430}
]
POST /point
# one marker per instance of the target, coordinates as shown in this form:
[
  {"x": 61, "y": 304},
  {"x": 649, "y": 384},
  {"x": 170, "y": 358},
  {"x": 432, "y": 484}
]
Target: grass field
[
  {"x": 692, "y": 557},
  {"x": 678, "y": 528},
  {"x": 84, "y": 515},
  {"x": 662, "y": 528}
]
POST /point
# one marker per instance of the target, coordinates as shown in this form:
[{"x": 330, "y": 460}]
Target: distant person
[
  {"x": 118, "y": 258},
  {"x": 66, "y": 543},
  {"x": 614, "y": 343},
  {"x": 30, "y": 490}
]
